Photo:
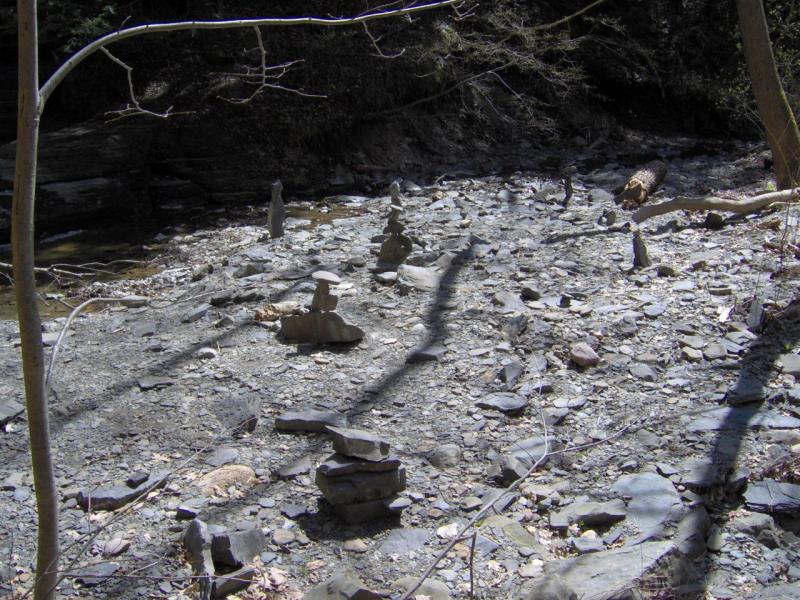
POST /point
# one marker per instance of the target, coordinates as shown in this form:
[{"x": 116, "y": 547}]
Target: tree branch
[
  {"x": 262, "y": 75},
  {"x": 135, "y": 108},
  {"x": 65, "y": 69},
  {"x": 747, "y": 205}
]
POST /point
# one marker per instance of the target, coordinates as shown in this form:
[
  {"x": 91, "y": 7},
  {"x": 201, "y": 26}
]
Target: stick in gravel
[{"x": 409, "y": 594}]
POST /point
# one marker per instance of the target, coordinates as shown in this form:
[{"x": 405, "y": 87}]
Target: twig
[
  {"x": 471, "y": 566},
  {"x": 75, "y": 312},
  {"x": 479, "y": 515},
  {"x": 562, "y": 20},
  {"x": 375, "y": 45},
  {"x": 87, "y": 539},
  {"x": 262, "y": 75},
  {"x": 135, "y": 108}
]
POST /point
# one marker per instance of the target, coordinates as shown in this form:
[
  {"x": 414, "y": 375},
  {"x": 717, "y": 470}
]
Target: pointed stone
[{"x": 277, "y": 211}]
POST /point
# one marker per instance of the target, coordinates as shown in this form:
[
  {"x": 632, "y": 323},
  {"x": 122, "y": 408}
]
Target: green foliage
[{"x": 74, "y": 24}]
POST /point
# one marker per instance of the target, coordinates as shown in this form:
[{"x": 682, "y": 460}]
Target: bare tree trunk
[
  {"x": 776, "y": 115},
  {"x": 30, "y": 330}
]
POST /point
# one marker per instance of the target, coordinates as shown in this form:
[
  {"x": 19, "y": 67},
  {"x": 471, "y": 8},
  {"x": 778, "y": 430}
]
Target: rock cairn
[
  {"x": 322, "y": 325},
  {"x": 397, "y": 247},
  {"x": 361, "y": 478},
  {"x": 277, "y": 211}
]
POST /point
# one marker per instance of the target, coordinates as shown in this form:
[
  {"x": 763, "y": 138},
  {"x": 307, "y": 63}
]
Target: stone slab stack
[{"x": 361, "y": 478}]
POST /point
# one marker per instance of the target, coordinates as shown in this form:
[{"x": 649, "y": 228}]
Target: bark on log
[
  {"x": 711, "y": 203},
  {"x": 641, "y": 185}
]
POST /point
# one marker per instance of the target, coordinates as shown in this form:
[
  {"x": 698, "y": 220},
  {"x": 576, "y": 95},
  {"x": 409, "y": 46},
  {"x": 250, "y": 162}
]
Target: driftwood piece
[
  {"x": 641, "y": 185},
  {"x": 718, "y": 204}
]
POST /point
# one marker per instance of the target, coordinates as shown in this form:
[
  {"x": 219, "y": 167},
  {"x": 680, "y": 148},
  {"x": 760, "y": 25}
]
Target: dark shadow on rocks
[
  {"x": 721, "y": 498},
  {"x": 587, "y": 233}
]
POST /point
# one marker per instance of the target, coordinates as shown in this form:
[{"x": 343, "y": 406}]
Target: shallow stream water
[{"x": 138, "y": 242}]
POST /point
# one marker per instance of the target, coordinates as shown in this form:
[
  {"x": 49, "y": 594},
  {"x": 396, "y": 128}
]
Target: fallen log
[
  {"x": 641, "y": 185},
  {"x": 713, "y": 203}
]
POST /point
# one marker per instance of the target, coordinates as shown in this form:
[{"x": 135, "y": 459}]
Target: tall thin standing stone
[{"x": 277, "y": 211}]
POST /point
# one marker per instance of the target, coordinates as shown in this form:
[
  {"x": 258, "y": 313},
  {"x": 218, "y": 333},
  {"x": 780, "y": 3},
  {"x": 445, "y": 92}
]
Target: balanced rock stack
[
  {"x": 361, "y": 479},
  {"x": 322, "y": 325}
]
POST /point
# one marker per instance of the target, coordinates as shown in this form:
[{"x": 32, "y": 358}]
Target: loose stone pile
[{"x": 361, "y": 479}]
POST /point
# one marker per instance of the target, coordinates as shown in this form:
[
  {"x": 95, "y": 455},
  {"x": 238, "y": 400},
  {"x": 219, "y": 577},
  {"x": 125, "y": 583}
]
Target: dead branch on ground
[{"x": 713, "y": 203}]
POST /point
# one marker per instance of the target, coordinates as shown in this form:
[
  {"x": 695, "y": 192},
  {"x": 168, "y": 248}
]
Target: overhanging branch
[{"x": 130, "y": 32}]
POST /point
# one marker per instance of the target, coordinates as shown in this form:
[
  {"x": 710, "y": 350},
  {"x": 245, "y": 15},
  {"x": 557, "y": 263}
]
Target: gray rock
[
  {"x": 361, "y": 487},
  {"x": 236, "y": 581},
  {"x": 277, "y": 211},
  {"x": 790, "y": 363},
  {"x": 654, "y": 311},
  {"x": 96, "y": 574},
  {"x": 690, "y": 537},
  {"x": 344, "y": 586},
  {"x": 715, "y": 351},
  {"x": 320, "y": 328},
  {"x": 445, "y": 456},
  {"x": 358, "y": 444},
  {"x": 223, "y": 456},
  {"x": 548, "y": 587},
  {"x": 9, "y": 410},
  {"x": 364, "y": 512},
  {"x": 748, "y": 388},
  {"x": 781, "y": 591},
  {"x": 419, "y": 278},
  {"x": 593, "y": 514},
  {"x": 586, "y": 545},
  {"x": 150, "y": 382},
  {"x": 505, "y": 402},
  {"x": 314, "y": 421},
  {"x": 583, "y": 355},
  {"x": 298, "y": 467},
  {"x": 527, "y": 451},
  {"x": 394, "y": 251},
  {"x": 653, "y": 499},
  {"x": 239, "y": 548},
  {"x": 753, "y": 523},
  {"x": 506, "y": 470},
  {"x": 196, "y": 313},
  {"x": 554, "y": 416},
  {"x": 339, "y": 464},
  {"x": 432, "y": 588},
  {"x": 405, "y": 541},
  {"x": 197, "y": 543},
  {"x": 427, "y": 353},
  {"x": 509, "y": 374},
  {"x": 752, "y": 416},
  {"x": 643, "y": 372},
  {"x": 773, "y": 497},
  {"x": 611, "y": 574},
  {"x": 112, "y": 498},
  {"x": 509, "y": 302}
]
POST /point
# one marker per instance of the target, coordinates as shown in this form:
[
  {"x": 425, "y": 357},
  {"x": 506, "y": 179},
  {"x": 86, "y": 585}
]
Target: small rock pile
[
  {"x": 361, "y": 479},
  {"x": 397, "y": 247},
  {"x": 322, "y": 325}
]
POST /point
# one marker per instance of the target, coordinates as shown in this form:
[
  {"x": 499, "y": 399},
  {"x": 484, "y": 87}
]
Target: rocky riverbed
[{"x": 666, "y": 401}]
